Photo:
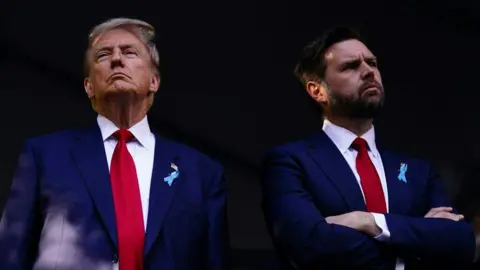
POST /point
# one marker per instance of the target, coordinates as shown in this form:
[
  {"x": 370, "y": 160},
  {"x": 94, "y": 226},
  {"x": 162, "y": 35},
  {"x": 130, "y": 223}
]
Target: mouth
[
  {"x": 371, "y": 89},
  {"x": 117, "y": 75}
]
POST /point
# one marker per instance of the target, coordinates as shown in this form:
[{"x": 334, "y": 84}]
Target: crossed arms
[{"x": 308, "y": 237}]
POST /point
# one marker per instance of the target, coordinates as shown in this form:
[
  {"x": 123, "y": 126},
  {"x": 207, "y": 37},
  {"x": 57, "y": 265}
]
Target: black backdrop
[{"x": 228, "y": 87}]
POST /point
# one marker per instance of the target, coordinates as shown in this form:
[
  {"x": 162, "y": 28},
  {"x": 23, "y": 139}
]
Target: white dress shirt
[
  {"x": 142, "y": 149},
  {"x": 343, "y": 139}
]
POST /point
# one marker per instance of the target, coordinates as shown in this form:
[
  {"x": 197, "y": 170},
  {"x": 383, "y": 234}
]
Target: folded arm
[
  {"x": 299, "y": 228},
  {"x": 19, "y": 229},
  {"x": 440, "y": 237},
  {"x": 433, "y": 239}
]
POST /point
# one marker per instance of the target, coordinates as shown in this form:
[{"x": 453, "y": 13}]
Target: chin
[
  {"x": 119, "y": 89},
  {"x": 119, "y": 94},
  {"x": 121, "y": 86},
  {"x": 374, "y": 101}
]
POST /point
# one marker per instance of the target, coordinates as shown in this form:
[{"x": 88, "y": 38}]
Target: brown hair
[{"x": 311, "y": 65}]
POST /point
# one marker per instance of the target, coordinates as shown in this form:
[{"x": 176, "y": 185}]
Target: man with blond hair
[{"x": 116, "y": 195}]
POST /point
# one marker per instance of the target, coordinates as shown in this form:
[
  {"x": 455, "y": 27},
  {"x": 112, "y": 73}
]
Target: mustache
[{"x": 370, "y": 84}]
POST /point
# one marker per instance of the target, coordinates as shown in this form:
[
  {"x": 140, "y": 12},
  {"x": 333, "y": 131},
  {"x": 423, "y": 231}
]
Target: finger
[
  {"x": 430, "y": 214},
  {"x": 435, "y": 210},
  {"x": 444, "y": 215},
  {"x": 338, "y": 220},
  {"x": 443, "y": 208},
  {"x": 450, "y": 216}
]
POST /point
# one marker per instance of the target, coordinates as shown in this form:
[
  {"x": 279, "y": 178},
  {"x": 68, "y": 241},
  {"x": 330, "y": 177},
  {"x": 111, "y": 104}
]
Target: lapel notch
[
  {"x": 327, "y": 156},
  {"x": 89, "y": 154}
]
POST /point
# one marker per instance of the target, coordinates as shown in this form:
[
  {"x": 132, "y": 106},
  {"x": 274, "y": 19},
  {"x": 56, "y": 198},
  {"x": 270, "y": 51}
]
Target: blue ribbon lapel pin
[
  {"x": 403, "y": 171},
  {"x": 173, "y": 175}
]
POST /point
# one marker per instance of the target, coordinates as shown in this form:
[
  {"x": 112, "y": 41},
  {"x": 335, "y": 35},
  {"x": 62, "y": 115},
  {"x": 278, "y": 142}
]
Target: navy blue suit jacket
[
  {"x": 303, "y": 182},
  {"x": 60, "y": 212}
]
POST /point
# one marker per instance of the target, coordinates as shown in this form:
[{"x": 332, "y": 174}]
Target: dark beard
[{"x": 355, "y": 107}]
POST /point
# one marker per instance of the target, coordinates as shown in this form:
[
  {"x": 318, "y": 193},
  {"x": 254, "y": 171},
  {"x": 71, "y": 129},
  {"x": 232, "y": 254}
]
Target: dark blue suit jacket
[
  {"x": 306, "y": 181},
  {"x": 60, "y": 212}
]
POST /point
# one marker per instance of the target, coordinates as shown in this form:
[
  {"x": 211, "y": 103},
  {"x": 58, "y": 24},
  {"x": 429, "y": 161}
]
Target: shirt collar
[
  {"x": 141, "y": 131},
  {"x": 343, "y": 138}
]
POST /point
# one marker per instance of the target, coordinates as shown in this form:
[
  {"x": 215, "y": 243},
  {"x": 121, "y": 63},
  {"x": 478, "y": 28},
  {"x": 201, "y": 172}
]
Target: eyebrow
[
  {"x": 109, "y": 48},
  {"x": 356, "y": 60}
]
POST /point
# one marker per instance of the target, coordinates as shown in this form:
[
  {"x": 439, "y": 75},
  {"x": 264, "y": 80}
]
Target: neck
[
  {"x": 357, "y": 126},
  {"x": 124, "y": 113}
]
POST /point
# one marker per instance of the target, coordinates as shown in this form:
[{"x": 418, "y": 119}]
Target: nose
[
  {"x": 367, "y": 70},
  {"x": 117, "y": 58}
]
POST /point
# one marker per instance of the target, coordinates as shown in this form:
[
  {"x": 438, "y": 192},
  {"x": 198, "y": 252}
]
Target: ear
[
  {"x": 154, "y": 83},
  {"x": 318, "y": 91},
  {"x": 88, "y": 87}
]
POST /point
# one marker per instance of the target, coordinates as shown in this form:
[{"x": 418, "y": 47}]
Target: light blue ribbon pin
[
  {"x": 172, "y": 176},
  {"x": 403, "y": 170}
]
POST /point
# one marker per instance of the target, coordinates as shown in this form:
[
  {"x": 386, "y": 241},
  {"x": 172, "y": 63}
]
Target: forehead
[
  {"x": 116, "y": 37},
  {"x": 347, "y": 50}
]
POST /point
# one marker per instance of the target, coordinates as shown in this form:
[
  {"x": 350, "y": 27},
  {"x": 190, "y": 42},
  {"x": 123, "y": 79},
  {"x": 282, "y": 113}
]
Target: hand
[
  {"x": 357, "y": 220},
  {"x": 351, "y": 220},
  {"x": 443, "y": 212}
]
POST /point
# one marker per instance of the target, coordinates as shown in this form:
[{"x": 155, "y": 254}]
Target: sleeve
[
  {"x": 435, "y": 240},
  {"x": 218, "y": 238},
  {"x": 298, "y": 227},
  {"x": 381, "y": 222},
  {"x": 19, "y": 228}
]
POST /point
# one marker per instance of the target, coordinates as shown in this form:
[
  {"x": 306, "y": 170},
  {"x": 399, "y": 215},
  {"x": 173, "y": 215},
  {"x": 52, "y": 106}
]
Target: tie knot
[
  {"x": 123, "y": 135},
  {"x": 360, "y": 145}
]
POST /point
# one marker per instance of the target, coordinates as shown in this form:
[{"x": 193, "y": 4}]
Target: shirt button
[{"x": 115, "y": 258}]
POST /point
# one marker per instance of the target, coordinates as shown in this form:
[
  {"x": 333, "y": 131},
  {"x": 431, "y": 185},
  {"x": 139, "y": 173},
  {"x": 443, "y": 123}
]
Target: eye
[
  {"x": 351, "y": 65},
  {"x": 372, "y": 63},
  {"x": 130, "y": 52},
  {"x": 101, "y": 55}
]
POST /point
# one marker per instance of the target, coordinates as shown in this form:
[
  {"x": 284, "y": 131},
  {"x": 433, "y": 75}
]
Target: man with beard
[
  {"x": 115, "y": 195},
  {"x": 335, "y": 200}
]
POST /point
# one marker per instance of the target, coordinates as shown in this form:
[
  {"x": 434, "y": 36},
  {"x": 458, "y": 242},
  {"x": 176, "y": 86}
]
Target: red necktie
[
  {"x": 370, "y": 182},
  {"x": 128, "y": 206}
]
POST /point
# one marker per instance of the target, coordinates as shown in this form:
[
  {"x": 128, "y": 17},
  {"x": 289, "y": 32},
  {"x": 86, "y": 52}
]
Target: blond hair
[{"x": 142, "y": 30}]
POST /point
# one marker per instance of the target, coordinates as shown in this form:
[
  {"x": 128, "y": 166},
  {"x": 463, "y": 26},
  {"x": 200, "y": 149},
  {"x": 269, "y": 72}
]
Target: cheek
[
  {"x": 379, "y": 77},
  {"x": 97, "y": 79},
  {"x": 347, "y": 84},
  {"x": 144, "y": 74},
  {"x": 99, "y": 73}
]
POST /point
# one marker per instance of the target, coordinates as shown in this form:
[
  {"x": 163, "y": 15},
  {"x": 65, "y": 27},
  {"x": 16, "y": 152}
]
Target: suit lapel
[
  {"x": 161, "y": 194},
  {"x": 399, "y": 196},
  {"x": 89, "y": 154},
  {"x": 333, "y": 164}
]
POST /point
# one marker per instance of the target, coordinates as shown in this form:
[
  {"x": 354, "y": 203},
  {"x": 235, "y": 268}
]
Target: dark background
[{"x": 228, "y": 87}]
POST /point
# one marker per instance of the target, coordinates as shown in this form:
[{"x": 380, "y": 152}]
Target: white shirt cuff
[{"x": 382, "y": 224}]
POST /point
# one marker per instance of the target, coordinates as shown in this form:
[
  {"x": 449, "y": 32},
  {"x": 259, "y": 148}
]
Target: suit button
[{"x": 115, "y": 258}]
